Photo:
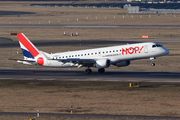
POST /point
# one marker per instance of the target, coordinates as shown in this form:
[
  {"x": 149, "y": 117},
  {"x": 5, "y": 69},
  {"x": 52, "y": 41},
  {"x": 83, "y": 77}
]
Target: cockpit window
[
  {"x": 156, "y": 45},
  {"x": 159, "y": 45}
]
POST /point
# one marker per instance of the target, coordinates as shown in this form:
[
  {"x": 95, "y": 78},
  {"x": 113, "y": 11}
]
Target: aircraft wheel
[
  {"x": 153, "y": 64},
  {"x": 101, "y": 70},
  {"x": 88, "y": 71}
]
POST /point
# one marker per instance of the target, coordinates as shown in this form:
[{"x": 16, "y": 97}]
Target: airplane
[{"x": 99, "y": 58}]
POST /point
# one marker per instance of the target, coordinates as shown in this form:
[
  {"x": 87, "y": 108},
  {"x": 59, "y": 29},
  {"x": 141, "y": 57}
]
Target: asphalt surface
[
  {"x": 79, "y": 75},
  {"x": 15, "y": 13},
  {"x": 87, "y": 26},
  {"x": 89, "y": 116}
]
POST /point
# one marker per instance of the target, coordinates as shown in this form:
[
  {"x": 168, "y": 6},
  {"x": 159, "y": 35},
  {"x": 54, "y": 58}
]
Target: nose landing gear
[
  {"x": 152, "y": 58},
  {"x": 153, "y": 64}
]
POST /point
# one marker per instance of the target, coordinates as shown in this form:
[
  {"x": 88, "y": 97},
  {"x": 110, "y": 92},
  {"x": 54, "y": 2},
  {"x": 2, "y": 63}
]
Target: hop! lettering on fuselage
[{"x": 131, "y": 50}]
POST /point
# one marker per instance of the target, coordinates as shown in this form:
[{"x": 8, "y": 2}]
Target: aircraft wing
[
  {"x": 81, "y": 62},
  {"x": 77, "y": 60}
]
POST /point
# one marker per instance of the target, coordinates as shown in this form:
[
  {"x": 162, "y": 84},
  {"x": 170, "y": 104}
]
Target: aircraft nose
[{"x": 166, "y": 51}]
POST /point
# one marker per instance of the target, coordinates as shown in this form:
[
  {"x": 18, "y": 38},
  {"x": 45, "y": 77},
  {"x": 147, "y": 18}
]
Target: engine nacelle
[
  {"x": 122, "y": 63},
  {"x": 102, "y": 63}
]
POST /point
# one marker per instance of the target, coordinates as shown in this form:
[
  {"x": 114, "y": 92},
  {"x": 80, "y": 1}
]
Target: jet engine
[
  {"x": 122, "y": 63},
  {"x": 102, "y": 63}
]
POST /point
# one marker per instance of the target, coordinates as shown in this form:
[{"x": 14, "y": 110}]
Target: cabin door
[{"x": 146, "y": 48}]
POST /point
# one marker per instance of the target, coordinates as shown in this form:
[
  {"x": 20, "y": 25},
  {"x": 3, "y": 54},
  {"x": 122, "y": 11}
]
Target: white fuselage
[
  {"x": 99, "y": 57},
  {"x": 115, "y": 54}
]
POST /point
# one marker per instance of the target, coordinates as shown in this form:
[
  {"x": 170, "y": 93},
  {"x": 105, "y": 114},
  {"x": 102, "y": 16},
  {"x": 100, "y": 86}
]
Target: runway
[
  {"x": 15, "y": 13},
  {"x": 90, "y": 116},
  {"x": 86, "y": 26},
  {"x": 79, "y": 75}
]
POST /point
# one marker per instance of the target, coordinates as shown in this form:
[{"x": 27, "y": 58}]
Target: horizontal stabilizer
[
  {"x": 13, "y": 33},
  {"x": 22, "y": 60}
]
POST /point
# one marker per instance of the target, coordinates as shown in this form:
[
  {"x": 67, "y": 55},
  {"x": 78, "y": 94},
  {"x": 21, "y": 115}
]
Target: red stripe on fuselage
[{"x": 27, "y": 45}]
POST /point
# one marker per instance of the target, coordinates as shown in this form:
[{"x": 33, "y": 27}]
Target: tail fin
[
  {"x": 28, "y": 49},
  {"x": 31, "y": 54}
]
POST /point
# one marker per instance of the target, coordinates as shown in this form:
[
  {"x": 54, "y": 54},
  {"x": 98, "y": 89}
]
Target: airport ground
[
  {"x": 89, "y": 97},
  {"x": 116, "y": 98}
]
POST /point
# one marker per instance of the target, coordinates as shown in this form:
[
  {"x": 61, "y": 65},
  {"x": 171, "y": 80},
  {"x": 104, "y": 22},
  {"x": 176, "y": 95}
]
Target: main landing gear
[
  {"x": 101, "y": 70},
  {"x": 152, "y": 58},
  {"x": 89, "y": 71}
]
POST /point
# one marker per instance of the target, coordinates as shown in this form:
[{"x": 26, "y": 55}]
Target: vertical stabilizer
[{"x": 27, "y": 47}]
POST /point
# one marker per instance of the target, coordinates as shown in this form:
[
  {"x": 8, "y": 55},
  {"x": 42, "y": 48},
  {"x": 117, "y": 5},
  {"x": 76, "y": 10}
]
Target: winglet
[{"x": 13, "y": 33}]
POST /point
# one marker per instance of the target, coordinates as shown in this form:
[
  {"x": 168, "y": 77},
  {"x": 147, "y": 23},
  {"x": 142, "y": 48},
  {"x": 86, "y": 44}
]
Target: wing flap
[{"x": 76, "y": 60}]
